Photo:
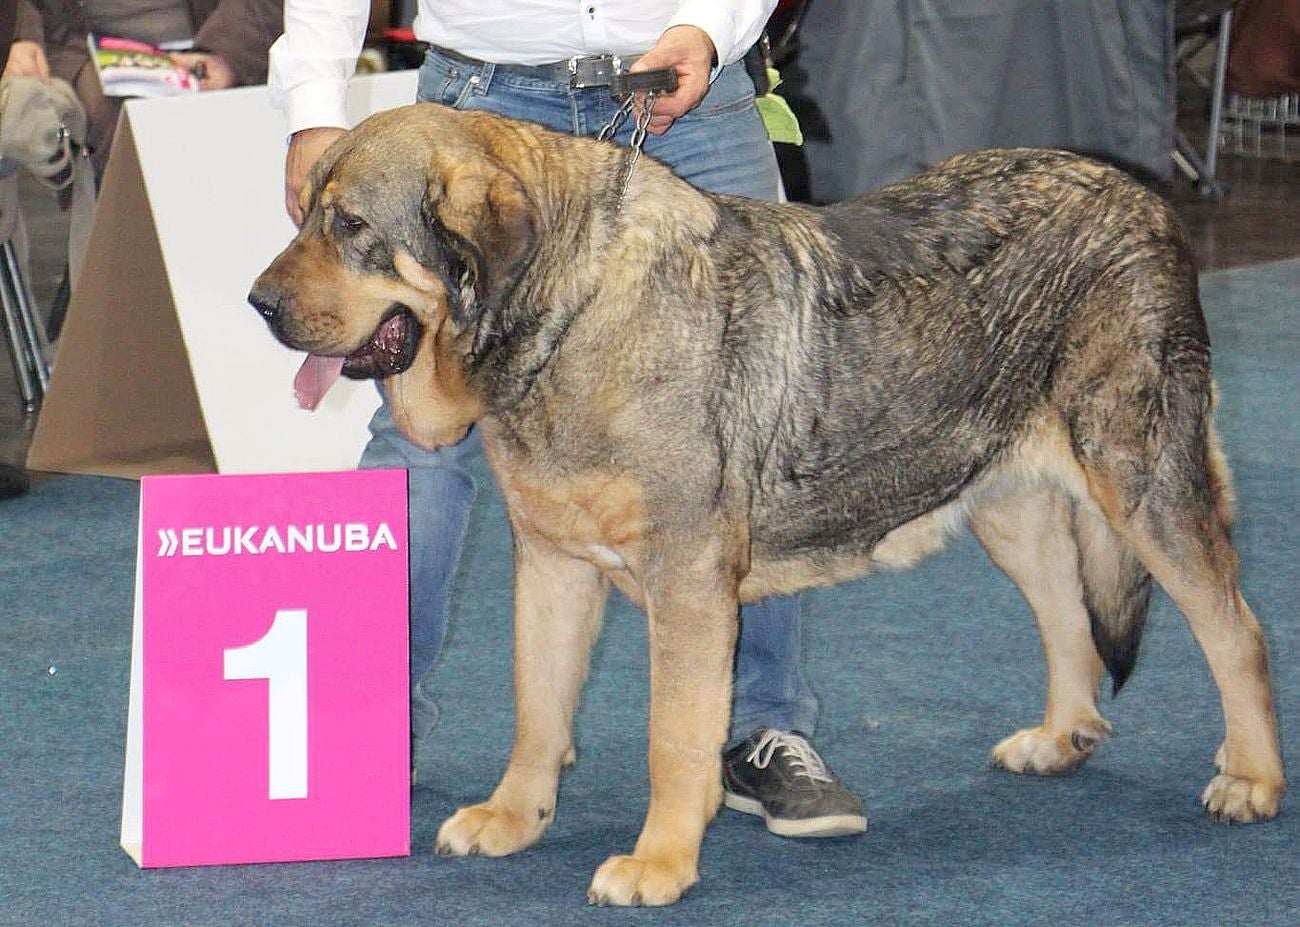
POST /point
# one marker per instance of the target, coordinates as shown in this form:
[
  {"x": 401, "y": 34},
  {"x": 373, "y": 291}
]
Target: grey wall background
[{"x": 885, "y": 88}]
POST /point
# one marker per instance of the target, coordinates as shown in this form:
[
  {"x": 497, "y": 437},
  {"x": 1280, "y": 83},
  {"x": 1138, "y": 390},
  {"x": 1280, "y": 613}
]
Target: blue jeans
[{"x": 720, "y": 146}]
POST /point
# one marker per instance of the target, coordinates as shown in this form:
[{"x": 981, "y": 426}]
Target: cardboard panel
[
  {"x": 122, "y": 399},
  {"x": 163, "y": 367}
]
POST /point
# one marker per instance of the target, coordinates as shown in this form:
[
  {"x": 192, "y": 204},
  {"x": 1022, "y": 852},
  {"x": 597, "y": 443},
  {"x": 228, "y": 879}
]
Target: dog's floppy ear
[{"x": 484, "y": 216}]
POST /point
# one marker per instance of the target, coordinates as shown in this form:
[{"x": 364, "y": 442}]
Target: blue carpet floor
[{"x": 918, "y": 673}]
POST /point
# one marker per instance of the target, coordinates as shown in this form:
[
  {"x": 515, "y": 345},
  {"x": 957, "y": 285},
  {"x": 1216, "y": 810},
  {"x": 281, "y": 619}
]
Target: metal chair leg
[
  {"x": 26, "y": 339},
  {"x": 1201, "y": 170},
  {"x": 1216, "y": 94},
  {"x": 59, "y": 307}
]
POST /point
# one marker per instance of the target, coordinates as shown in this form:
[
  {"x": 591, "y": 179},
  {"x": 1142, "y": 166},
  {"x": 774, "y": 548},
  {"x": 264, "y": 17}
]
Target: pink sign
[{"x": 269, "y": 703}]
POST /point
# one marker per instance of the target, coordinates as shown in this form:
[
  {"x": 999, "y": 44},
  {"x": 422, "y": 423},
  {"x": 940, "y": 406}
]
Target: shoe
[{"x": 778, "y": 776}]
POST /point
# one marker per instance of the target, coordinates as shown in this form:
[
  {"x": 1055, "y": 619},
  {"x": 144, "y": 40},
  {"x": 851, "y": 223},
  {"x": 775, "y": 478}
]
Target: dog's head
[{"x": 417, "y": 223}]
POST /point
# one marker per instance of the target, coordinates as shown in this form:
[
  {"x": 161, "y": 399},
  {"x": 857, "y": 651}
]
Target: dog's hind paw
[
  {"x": 635, "y": 880},
  {"x": 1046, "y": 752},
  {"x": 486, "y": 830},
  {"x": 1237, "y": 799}
]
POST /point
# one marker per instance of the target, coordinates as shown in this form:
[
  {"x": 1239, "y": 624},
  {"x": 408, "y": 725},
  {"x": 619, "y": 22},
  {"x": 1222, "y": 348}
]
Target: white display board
[{"x": 162, "y": 366}]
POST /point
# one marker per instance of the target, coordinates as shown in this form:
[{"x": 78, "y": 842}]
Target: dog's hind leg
[
  {"x": 1173, "y": 511},
  {"x": 558, "y": 607},
  {"x": 691, "y": 602},
  {"x": 1029, "y": 536}
]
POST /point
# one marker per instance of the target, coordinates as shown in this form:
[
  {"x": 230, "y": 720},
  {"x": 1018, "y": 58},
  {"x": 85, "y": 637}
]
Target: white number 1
[{"x": 280, "y": 657}]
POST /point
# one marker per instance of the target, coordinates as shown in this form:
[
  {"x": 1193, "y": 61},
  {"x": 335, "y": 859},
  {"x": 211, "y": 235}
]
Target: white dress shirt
[{"x": 312, "y": 62}]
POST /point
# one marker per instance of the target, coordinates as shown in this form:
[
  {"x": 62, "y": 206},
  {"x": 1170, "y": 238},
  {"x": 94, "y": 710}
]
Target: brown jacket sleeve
[
  {"x": 8, "y": 17},
  {"x": 241, "y": 31},
  {"x": 29, "y": 24},
  {"x": 55, "y": 25}
]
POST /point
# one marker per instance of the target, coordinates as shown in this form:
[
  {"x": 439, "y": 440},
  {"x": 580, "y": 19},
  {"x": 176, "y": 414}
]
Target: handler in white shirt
[{"x": 516, "y": 58}]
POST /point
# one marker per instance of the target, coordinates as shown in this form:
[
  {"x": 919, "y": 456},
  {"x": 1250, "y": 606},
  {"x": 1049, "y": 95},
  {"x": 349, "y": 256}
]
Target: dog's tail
[{"x": 1116, "y": 593}]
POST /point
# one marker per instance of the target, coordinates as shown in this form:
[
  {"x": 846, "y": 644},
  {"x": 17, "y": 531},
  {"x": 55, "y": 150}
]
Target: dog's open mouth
[{"x": 390, "y": 350}]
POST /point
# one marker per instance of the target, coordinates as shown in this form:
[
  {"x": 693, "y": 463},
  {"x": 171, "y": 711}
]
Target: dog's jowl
[{"x": 705, "y": 400}]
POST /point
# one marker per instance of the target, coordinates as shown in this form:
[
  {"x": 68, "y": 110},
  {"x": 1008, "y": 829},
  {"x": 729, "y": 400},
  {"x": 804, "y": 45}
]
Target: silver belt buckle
[{"x": 593, "y": 71}]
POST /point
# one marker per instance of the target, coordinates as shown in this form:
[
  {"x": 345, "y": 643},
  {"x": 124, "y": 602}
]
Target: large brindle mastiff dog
[{"x": 705, "y": 400}]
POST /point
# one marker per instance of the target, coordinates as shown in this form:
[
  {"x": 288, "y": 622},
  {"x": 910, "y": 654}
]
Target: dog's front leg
[
  {"x": 558, "y": 605},
  {"x": 692, "y": 615}
]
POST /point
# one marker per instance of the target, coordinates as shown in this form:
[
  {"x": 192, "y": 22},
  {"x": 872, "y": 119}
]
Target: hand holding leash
[{"x": 689, "y": 51}]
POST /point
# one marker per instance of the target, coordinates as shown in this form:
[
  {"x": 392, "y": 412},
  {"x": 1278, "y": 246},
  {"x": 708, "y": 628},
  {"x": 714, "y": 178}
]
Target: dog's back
[{"x": 923, "y": 329}]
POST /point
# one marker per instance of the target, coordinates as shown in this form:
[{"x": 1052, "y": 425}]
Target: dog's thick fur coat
[{"x": 705, "y": 400}]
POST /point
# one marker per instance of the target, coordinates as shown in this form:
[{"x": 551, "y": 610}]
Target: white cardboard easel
[{"x": 162, "y": 366}]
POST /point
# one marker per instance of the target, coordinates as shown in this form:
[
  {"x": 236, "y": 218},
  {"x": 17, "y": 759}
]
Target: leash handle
[{"x": 657, "y": 80}]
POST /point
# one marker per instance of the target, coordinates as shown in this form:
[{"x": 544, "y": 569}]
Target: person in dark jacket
[{"x": 230, "y": 39}]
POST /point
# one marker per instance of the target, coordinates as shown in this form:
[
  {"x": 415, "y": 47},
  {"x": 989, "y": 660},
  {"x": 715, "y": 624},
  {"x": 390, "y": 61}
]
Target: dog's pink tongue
[{"x": 314, "y": 378}]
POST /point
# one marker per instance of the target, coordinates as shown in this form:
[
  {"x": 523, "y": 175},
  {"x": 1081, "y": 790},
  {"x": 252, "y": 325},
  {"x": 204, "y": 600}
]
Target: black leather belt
[{"x": 577, "y": 72}]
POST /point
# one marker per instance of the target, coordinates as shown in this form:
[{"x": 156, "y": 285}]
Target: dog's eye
[{"x": 347, "y": 222}]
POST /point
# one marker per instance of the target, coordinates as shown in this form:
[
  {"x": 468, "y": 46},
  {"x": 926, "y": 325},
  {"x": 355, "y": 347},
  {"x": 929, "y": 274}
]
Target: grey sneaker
[{"x": 778, "y": 776}]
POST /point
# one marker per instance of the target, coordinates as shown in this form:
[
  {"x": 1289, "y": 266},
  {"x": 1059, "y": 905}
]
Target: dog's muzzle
[{"x": 390, "y": 350}]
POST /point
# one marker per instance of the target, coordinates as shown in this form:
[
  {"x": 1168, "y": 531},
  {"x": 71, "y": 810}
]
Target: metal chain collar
[{"x": 637, "y": 141}]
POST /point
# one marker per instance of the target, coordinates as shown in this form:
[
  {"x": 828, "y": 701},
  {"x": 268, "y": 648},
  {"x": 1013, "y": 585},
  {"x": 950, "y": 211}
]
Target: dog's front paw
[
  {"x": 1043, "y": 751},
  {"x": 488, "y": 830},
  {"x": 1238, "y": 799},
  {"x": 635, "y": 880}
]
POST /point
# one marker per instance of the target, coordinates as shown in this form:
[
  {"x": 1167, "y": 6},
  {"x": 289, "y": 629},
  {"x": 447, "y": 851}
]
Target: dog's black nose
[{"x": 266, "y": 300}]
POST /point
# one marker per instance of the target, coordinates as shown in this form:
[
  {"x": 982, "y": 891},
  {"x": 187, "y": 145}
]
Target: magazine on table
[{"x": 128, "y": 68}]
